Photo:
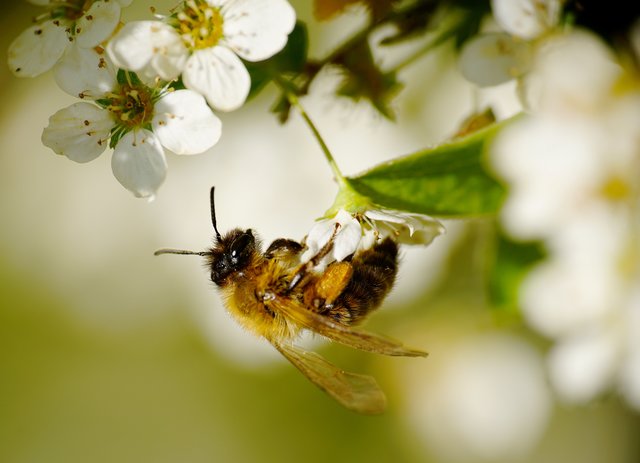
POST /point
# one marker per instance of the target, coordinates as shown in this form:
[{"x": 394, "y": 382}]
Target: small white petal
[
  {"x": 346, "y": 231},
  {"x": 348, "y": 236},
  {"x": 97, "y": 23},
  {"x": 85, "y": 73},
  {"x": 139, "y": 163},
  {"x": 492, "y": 59},
  {"x": 219, "y": 75},
  {"x": 37, "y": 49},
  {"x": 526, "y": 19},
  {"x": 406, "y": 228},
  {"x": 257, "y": 29},
  {"x": 149, "y": 47},
  {"x": 185, "y": 124},
  {"x": 79, "y": 132}
]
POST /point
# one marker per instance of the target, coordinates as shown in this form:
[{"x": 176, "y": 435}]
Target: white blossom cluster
[
  {"x": 496, "y": 57},
  {"x": 127, "y": 76},
  {"x": 572, "y": 168}
]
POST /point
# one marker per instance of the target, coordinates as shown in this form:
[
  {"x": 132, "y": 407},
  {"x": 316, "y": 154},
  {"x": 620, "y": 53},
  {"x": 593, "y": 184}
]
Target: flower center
[
  {"x": 131, "y": 105},
  {"x": 199, "y": 24}
]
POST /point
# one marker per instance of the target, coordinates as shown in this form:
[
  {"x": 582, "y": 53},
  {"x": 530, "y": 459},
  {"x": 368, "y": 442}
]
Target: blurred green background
[{"x": 108, "y": 354}]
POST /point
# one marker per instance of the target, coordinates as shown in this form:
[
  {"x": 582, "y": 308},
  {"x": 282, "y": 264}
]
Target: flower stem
[{"x": 293, "y": 99}]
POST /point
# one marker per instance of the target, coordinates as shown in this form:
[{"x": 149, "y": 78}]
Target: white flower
[
  {"x": 136, "y": 120},
  {"x": 65, "y": 24},
  {"x": 403, "y": 227},
  {"x": 495, "y": 58},
  {"x": 347, "y": 232},
  {"x": 571, "y": 169},
  {"x": 526, "y": 19},
  {"x": 204, "y": 40}
]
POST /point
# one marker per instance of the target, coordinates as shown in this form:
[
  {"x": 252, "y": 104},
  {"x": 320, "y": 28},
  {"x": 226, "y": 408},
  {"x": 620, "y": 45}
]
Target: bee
[{"x": 276, "y": 296}]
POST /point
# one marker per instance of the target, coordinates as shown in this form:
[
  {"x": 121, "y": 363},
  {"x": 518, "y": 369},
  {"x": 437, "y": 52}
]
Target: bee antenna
[
  {"x": 213, "y": 216},
  {"x": 181, "y": 251}
]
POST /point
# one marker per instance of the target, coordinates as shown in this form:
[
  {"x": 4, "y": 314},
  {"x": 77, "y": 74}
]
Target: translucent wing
[
  {"x": 351, "y": 337},
  {"x": 359, "y": 393}
]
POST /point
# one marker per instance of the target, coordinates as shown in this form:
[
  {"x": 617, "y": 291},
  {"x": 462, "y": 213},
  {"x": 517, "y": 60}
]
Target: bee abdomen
[{"x": 374, "y": 272}]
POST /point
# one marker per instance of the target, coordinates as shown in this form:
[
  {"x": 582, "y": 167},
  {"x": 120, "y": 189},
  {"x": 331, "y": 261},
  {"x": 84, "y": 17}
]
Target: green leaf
[
  {"x": 291, "y": 59},
  {"x": 511, "y": 262},
  {"x": 449, "y": 180}
]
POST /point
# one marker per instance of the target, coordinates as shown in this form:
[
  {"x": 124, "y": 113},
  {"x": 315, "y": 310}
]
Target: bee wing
[
  {"x": 359, "y": 393},
  {"x": 351, "y": 337}
]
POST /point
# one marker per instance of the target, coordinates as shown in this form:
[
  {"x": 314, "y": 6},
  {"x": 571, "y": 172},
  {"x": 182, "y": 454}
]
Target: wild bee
[{"x": 276, "y": 296}]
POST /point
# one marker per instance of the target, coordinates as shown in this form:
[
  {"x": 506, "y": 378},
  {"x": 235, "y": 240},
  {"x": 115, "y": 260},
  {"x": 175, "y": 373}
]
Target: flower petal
[
  {"x": 85, "y": 73},
  {"x": 150, "y": 48},
  {"x": 185, "y": 124},
  {"x": 97, "y": 23},
  {"x": 37, "y": 49},
  {"x": 348, "y": 233},
  {"x": 79, "y": 132},
  {"x": 405, "y": 227},
  {"x": 493, "y": 59},
  {"x": 526, "y": 19},
  {"x": 348, "y": 236},
  {"x": 138, "y": 163},
  {"x": 219, "y": 75},
  {"x": 257, "y": 29}
]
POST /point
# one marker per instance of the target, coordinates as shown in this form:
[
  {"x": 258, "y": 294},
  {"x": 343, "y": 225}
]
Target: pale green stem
[{"x": 293, "y": 99}]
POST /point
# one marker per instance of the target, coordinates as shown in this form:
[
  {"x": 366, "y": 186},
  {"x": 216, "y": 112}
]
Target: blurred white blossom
[
  {"x": 483, "y": 398},
  {"x": 498, "y": 57},
  {"x": 526, "y": 19},
  {"x": 136, "y": 120},
  {"x": 572, "y": 169},
  {"x": 65, "y": 25},
  {"x": 204, "y": 40}
]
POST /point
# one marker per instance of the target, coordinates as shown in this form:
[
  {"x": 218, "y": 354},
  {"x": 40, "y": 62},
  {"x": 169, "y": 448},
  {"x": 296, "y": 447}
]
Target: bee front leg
[{"x": 315, "y": 260}]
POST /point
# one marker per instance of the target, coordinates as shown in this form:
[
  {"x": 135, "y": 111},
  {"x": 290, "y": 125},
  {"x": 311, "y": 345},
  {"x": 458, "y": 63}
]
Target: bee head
[{"x": 231, "y": 254}]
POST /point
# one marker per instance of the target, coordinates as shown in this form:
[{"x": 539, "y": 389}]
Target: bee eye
[{"x": 241, "y": 246}]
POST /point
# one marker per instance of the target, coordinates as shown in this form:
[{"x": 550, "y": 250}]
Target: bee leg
[
  {"x": 283, "y": 248},
  {"x": 315, "y": 260},
  {"x": 321, "y": 295}
]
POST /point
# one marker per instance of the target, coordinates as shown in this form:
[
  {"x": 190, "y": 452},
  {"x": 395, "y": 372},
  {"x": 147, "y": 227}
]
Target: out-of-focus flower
[
  {"x": 572, "y": 169},
  {"x": 527, "y": 19},
  {"x": 204, "y": 40},
  {"x": 136, "y": 120},
  {"x": 484, "y": 398},
  {"x": 494, "y": 58},
  {"x": 80, "y": 23}
]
